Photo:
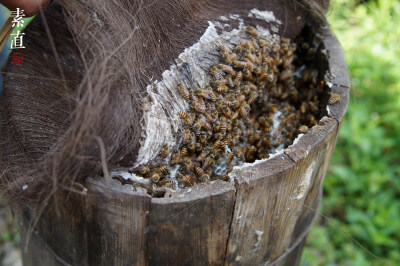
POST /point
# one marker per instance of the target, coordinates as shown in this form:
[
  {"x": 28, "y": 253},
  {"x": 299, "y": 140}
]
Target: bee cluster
[{"x": 257, "y": 102}]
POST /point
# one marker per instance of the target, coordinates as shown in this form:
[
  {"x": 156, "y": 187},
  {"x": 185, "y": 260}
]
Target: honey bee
[
  {"x": 216, "y": 125},
  {"x": 248, "y": 75},
  {"x": 179, "y": 175},
  {"x": 224, "y": 177},
  {"x": 222, "y": 151},
  {"x": 279, "y": 141},
  {"x": 312, "y": 120},
  {"x": 203, "y": 138},
  {"x": 188, "y": 164},
  {"x": 222, "y": 89},
  {"x": 312, "y": 106},
  {"x": 191, "y": 146},
  {"x": 198, "y": 147},
  {"x": 230, "y": 158},
  {"x": 235, "y": 115},
  {"x": 257, "y": 71},
  {"x": 199, "y": 107},
  {"x": 250, "y": 66},
  {"x": 219, "y": 82},
  {"x": 227, "y": 69},
  {"x": 234, "y": 104},
  {"x": 175, "y": 156},
  {"x": 303, "y": 108},
  {"x": 253, "y": 58},
  {"x": 244, "y": 44},
  {"x": 303, "y": 129},
  {"x": 285, "y": 40},
  {"x": 251, "y": 85},
  {"x": 262, "y": 43},
  {"x": 285, "y": 75},
  {"x": 240, "y": 64},
  {"x": 205, "y": 178},
  {"x": 335, "y": 97},
  {"x": 225, "y": 142},
  {"x": 226, "y": 110},
  {"x": 208, "y": 162},
  {"x": 275, "y": 48},
  {"x": 311, "y": 51},
  {"x": 164, "y": 150},
  {"x": 216, "y": 73},
  {"x": 218, "y": 136},
  {"x": 155, "y": 177},
  {"x": 223, "y": 125},
  {"x": 202, "y": 93},
  {"x": 184, "y": 91},
  {"x": 229, "y": 125},
  {"x": 212, "y": 95},
  {"x": 320, "y": 86},
  {"x": 287, "y": 61},
  {"x": 162, "y": 169},
  {"x": 250, "y": 135},
  {"x": 218, "y": 144},
  {"x": 241, "y": 99},
  {"x": 188, "y": 180},
  {"x": 251, "y": 149},
  {"x": 197, "y": 129},
  {"x": 199, "y": 171},
  {"x": 186, "y": 136},
  {"x": 264, "y": 73},
  {"x": 243, "y": 112},
  {"x": 143, "y": 170},
  {"x": 273, "y": 108},
  {"x": 311, "y": 76},
  {"x": 305, "y": 46},
  {"x": 184, "y": 116},
  {"x": 167, "y": 184},
  {"x": 263, "y": 121},
  {"x": 270, "y": 77},
  {"x": 184, "y": 151},
  {"x": 246, "y": 90},
  {"x": 229, "y": 58},
  {"x": 252, "y": 31},
  {"x": 237, "y": 131},
  {"x": 223, "y": 49},
  {"x": 229, "y": 81},
  {"x": 203, "y": 154},
  {"x": 238, "y": 79},
  {"x": 255, "y": 45}
]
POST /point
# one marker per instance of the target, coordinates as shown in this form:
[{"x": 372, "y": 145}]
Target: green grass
[{"x": 362, "y": 187}]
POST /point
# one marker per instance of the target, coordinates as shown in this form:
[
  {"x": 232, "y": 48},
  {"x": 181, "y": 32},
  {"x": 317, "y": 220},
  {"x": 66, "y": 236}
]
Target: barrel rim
[{"x": 283, "y": 160}]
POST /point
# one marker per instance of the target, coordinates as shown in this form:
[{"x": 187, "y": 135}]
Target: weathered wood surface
[
  {"x": 269, "y": 209},
  {"x": 192, "y": 227},
  {"x": 263, "y": 217},
  {"x": 116, "y": 224},
  {"x": 59, "y": 236}
]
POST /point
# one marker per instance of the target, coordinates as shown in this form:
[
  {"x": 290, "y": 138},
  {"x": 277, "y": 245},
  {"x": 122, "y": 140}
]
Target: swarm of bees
[{"x": 261, "y": 96}]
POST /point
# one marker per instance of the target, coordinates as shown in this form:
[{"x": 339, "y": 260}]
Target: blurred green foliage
[{"x": 362, "y": 187}]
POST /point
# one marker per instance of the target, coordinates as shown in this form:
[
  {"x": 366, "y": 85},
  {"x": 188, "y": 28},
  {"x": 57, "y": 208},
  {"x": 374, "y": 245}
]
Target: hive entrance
[{"x": 261, "y": 96}]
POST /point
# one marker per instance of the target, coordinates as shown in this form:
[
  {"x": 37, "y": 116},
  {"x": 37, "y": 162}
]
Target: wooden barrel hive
[{"x": 263, "y": 217}]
